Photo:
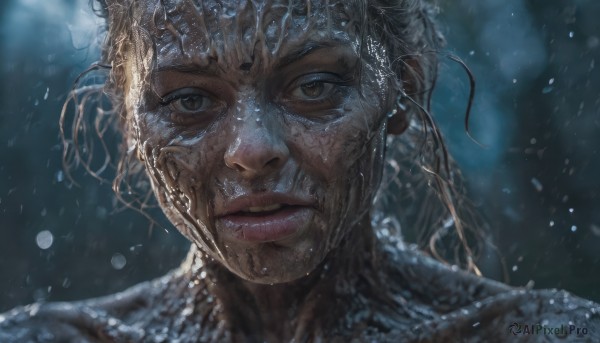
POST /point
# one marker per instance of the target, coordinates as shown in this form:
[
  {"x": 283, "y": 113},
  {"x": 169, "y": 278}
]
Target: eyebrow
[
  {"x": 212, "y": 68},
  {"x": 301, "y": 52}
]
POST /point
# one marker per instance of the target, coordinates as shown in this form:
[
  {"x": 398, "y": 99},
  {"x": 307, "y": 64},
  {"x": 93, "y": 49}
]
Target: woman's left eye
[
  {"x": 312, "y": 90},
  {"x": 317, "y": 95}
]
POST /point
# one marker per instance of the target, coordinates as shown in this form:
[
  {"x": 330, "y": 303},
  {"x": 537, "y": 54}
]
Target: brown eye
[
  {"x": 192, "y": 107},
  {"x": 312, "y": 90},
  {"x": 191, "y": 103}
]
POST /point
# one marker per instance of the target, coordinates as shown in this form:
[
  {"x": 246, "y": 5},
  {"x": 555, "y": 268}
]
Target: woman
[{"x": 262, "y": 127}]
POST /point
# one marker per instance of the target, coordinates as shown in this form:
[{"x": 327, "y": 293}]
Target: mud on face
[{"x": 261, "y": 125}]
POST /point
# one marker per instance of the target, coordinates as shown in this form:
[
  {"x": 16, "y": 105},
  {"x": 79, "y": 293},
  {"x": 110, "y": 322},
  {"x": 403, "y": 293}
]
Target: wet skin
[
  {"x": 283, "y": 128},
  {"x": 263, "y": 135}
]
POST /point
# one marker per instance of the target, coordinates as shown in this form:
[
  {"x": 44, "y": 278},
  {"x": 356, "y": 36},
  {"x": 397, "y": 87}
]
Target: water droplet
[
  {"x": 187, "y": 311},
  {"x": 551, "y": 81},
  {"x": 551, "y": 301},
  {"x": 547, "y": 89},
  {"x": 533, "y": 141},
  {"x": 203, "y": 274},
  {"x": 472, "y": 52},
  {"x": 551, "y": 223},
  {"x": 537, "y": 184},
  {"x": 571, "y": 34},
  {"x": 44, "y": 239},
  {"x": 134, "y": 248},
  {"x": 515, "y": 268},
  {"x": 573, "y": 228},
  {"x": 118, "y": 261},
  {"x": 571, "y": 210},
  {"x": 59, "y": 176},
  {"x": 514, "y": 80},
  {"x": 46, "y": 95},
  {"x": 595, "y": 229}
]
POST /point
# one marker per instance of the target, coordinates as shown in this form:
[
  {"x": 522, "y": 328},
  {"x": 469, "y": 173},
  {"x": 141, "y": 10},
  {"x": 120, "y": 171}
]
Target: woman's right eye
[
  {"x": 191, "y": 103},
  {"x": 191, "y": 106}
]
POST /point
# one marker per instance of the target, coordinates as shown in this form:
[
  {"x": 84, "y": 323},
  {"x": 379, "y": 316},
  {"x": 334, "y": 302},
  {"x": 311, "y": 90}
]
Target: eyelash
[
  {"x": 327, "y": 101},
  {"x": 334, "y": 87},
  {"x": 183, "y": 116}
]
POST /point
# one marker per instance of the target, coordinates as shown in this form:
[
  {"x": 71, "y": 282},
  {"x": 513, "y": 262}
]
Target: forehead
[{"x": 238, "y": 33}]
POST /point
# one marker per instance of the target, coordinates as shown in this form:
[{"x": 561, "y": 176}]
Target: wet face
[{"x": 261, "y": 125}]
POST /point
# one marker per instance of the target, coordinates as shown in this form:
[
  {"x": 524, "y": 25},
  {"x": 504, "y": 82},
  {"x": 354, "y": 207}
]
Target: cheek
[
  {"x": 340, "y": 151},
  {"x": 179, "y": 180},
  {"x": 347, "y": 158}
]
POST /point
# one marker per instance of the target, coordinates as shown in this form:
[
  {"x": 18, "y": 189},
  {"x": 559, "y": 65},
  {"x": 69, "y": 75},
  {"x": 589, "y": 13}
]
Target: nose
[{"x": 257, "y": 149}]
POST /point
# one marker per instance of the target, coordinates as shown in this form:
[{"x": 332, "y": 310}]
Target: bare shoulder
[
  {"x": 153, "y": 311},
  {"x": 97, "y": 320},
  {"x": 442, "y": 287},
  {"x": 469, "y": 308},
  {"x": 518, "y": 315}
]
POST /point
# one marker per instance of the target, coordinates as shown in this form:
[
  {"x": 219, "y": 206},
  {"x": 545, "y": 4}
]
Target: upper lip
[{"x": 244, "y": 202}]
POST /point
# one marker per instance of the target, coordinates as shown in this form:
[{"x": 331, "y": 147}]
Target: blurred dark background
[{"x": 537, "y": 111}]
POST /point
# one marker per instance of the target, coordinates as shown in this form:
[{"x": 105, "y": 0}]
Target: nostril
[
  {"x": 246, "y": 66},
  {"x": 256, "y": 152},
  {"x": 272, "y": 162},
  {"x": 236, "y": 166}
]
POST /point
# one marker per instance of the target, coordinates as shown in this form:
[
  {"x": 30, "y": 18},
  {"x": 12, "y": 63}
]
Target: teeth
[{"x": 263, "y": 209}]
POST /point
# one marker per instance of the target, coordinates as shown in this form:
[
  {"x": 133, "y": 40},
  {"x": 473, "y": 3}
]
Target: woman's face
[{"x": 261, "y": 126}]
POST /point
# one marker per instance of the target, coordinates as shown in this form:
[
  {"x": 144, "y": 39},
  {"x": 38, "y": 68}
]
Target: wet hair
[{"x": 420, "y": 179}]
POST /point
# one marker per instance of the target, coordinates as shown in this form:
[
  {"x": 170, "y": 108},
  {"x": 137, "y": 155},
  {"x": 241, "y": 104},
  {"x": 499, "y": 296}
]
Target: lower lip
[{"x": 271, "y": 227}]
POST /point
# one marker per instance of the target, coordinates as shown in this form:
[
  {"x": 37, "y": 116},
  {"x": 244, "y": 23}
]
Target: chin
[{"x": 271, "y": 264}]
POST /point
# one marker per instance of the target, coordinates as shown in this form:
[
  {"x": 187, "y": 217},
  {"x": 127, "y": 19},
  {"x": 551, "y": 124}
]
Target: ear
[{"x": 411, "y": 79}]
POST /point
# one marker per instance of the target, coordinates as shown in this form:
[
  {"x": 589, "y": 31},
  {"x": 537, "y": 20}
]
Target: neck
[{"x": 294, "y": 309}]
